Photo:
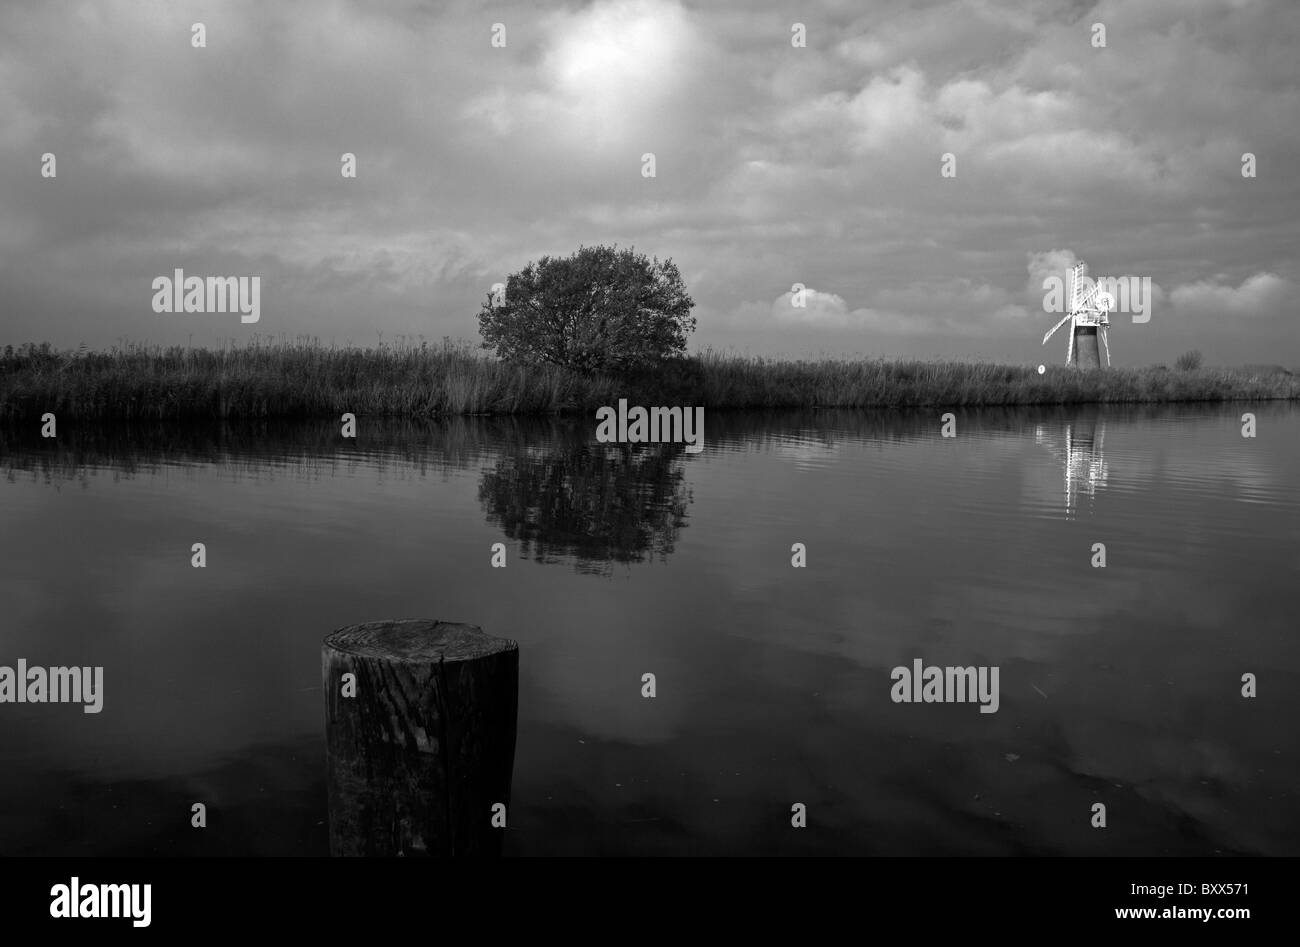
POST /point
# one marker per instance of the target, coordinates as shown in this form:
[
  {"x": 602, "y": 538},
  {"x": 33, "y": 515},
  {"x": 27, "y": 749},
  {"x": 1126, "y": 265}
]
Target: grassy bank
[{"x": 305, "y": 379}]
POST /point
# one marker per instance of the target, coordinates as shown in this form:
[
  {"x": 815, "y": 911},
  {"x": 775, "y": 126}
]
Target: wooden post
[{"x": 423, "y": 751}]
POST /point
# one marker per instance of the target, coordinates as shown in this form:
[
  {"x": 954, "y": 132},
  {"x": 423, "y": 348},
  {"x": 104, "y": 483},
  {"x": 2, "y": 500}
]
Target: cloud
[
  {"x": 1045, "y": 265},
  {"x": 888, "y": 108},
  {"x": 825, "y": 309},
  {"x": 958, "y": 307},
  {"x": 822, "y": 310},
  {"x": 775, "y": 165},
  {"x": 609, "y": 77},
  {"x": 1261, "y": 295}
]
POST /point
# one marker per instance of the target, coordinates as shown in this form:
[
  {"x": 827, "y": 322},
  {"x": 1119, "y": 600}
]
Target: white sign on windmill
[{"x": 1089, "y": 317}]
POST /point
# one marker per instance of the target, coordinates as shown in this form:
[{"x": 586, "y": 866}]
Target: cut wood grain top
[{"x": 417, "y": 641}]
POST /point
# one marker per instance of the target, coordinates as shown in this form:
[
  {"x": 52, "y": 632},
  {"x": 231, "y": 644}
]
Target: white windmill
[{"x": 1089, "y": 316}]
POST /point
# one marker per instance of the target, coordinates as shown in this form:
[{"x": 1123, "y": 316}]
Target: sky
[{"x": 775, "y": 165}]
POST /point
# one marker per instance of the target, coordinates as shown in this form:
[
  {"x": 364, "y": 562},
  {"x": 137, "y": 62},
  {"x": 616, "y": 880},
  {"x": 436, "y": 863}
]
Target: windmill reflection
[
  {"x": 596, "y": 504},
  {"x": 1081, "y": 448}
]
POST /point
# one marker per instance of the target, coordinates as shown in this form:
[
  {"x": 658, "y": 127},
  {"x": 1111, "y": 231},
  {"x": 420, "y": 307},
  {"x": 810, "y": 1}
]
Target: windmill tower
[{"x": 1089, "y": 316}]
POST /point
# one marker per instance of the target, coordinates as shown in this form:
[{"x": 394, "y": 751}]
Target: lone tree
[{"x": 601, "y": 309}]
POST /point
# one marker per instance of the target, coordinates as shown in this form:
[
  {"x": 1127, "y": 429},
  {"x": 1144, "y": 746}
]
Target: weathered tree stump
[{"x": 422, "y": 753}]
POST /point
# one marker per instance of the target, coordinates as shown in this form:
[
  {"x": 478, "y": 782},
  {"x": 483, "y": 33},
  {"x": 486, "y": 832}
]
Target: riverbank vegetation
[{"x": 303, "y": 378}]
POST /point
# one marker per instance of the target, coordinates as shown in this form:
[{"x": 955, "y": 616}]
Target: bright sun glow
[{"x": 614, "y": 65}]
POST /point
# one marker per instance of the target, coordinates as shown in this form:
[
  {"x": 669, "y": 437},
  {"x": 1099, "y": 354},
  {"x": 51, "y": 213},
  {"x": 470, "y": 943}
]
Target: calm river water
[{"x": 1120, "y": 685}]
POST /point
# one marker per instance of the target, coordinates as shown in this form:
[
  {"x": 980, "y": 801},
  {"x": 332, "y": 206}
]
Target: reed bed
[{"x": 303, "y": 378}]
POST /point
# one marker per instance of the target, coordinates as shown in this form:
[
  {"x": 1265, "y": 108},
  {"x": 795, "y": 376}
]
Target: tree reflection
[{"x": 596, "y": 504}]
